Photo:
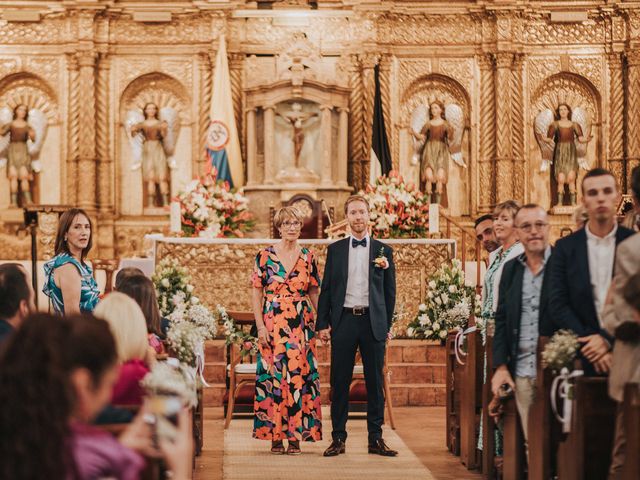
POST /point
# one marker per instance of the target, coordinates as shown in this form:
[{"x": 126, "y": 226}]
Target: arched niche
[
  {"x": 29, "y": 89},
  {"x": 423, "y": 91},
  {"x": 164, "y": 91},
  {"x": 574, "y": 90}
]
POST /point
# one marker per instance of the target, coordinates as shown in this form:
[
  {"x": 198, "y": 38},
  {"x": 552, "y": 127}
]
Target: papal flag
[
  {"x": 223, "y": 143},
  {"x": 380, "y": 163}
]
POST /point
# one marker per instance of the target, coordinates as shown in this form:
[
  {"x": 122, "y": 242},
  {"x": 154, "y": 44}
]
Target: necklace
[{"x": 289, "y": 256}]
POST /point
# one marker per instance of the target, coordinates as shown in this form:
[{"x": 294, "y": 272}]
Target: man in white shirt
[{"x": 355, "y": 311}]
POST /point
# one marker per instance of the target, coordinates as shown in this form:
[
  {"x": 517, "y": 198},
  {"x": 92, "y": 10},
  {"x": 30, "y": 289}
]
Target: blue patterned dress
[{"x": 89, "y": 293}]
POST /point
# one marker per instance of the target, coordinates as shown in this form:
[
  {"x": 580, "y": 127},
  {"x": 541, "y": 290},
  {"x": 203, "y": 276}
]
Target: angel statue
[
  {"x": 563, "y": 143},
  {"x": 436, "y": 139},
  {"x": 22, "y": 134},
  {"x": 153, "y": 140}
]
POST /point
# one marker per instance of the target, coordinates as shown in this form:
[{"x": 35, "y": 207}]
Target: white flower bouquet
[
  {"x": 175, "y": 379},
  {"x": 397, "y": 209},
  {"x": 196, "y": 314},
  {"x": 210, "y": 208},
  {"x": 448, "y": 305},
  {"x": 186, "y": 340},
  {"x": 173, "y": 286},
  {"x": 560, "y": 351}
]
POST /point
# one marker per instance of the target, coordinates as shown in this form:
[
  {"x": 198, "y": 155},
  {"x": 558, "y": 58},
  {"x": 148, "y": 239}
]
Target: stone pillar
[
  {"x": 633, "y": 111},
  {"x": 270, "y": 160},
  {"x": 343, "y": 146},
  {"x": 325, "y": 132},
  {"x": 252, "y": 150},
  {"x": 87, "y": 132},
  {"x": 504, "y": 153},
  {"x": 206, "y": 85},
  {"x": 73, "y": 131},
  {"x": 487, "y": 135},
  {"x": 615, "y": 159}
]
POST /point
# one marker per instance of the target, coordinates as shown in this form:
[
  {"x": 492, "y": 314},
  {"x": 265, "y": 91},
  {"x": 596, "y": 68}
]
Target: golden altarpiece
[{"x": 85, "y": 64}]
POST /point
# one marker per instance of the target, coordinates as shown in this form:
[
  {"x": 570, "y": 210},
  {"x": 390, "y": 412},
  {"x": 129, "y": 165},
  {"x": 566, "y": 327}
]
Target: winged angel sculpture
[
  {"x": 153, "y": 134},
  {"x": 563, "y": 139},
  {"x": 437, "y": 133},
  {"x": 22, "y": 134}
]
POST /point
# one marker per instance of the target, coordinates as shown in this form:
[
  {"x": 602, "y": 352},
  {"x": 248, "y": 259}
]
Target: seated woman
[
  {"x": 69, "y": 281},
  {"x": 141, "y": 289},
  {"x": 129, "y": 329},
  {"x": 55, "y": 375}
]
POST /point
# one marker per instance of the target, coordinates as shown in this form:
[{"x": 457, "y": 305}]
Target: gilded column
[
  {"x": 270, "y": 165},
  {"x": 517, "y": 128},
  {"x": 236, "y": 65},
  {"x": 87, "y": 132},
  {"x": 385, "y": 95},
  {"x": 369, "y": 62},
  {"x": 615, "y": 160},
  {"x": 504, "y": 153},
  {"x": 355, "y": 122},
  {"x": 343, "y": 146},
  {"x": 633, "y": 111},
  {"x": 325, "y": 131},
  {"x": 206, "y": 84},
  {"x": 252, "y": 149},
  {"x": 73, "y": 130},
  {"x": 105, "y": 202},
  {"x": 486, "y": 162}
]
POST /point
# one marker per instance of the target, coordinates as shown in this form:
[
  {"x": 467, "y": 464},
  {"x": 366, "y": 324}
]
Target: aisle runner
[{"x": 249, "y": 459}]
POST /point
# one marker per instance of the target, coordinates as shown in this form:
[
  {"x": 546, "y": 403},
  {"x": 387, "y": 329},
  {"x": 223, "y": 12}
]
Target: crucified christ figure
[{"x": 296, "y": 117}]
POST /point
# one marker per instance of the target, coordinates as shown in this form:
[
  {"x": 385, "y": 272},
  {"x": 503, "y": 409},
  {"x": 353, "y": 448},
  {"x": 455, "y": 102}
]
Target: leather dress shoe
[
  {"x": 336, "y": 448},
  {"x": 378, "y": 447}
]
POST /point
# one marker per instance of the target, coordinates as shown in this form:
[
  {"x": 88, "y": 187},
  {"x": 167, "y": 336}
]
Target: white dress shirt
[
  {"x": 601, "y": 253},
  {"x": 357, "y": 294}
]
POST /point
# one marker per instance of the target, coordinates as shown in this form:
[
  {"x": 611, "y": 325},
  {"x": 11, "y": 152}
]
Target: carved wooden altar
[{"x": 221, "y": 269}]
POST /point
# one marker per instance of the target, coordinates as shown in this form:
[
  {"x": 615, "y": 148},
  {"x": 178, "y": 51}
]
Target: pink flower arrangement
[
  {"x": 397, "y": 209},
  {"x": 210, "y": 208}
]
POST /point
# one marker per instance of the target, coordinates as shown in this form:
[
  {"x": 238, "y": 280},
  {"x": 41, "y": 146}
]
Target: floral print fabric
[{"x": 287, "y": 396}]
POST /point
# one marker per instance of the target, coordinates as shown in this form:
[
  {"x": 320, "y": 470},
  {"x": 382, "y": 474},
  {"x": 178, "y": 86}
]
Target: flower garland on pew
[
  {"x": 448, "y": 305},
  {"x": 236, "y": 336},
  {"x": 173, "y": 286},
  {"x": 558, "y": 355},
  {"x": 210, "y": 208},
  {"x": 172, "y": 379}
]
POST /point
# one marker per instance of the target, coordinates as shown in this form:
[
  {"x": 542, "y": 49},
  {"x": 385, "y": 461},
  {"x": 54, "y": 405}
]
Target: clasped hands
[{"x": 597, "y": 350}]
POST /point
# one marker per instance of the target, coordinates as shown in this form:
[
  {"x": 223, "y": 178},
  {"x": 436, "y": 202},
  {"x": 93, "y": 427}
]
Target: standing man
[
  {"x": 16, "y": 298},
  {"x": 581, "y": 269},
  {"x": 355, "y": 311},
  {"x": 485, "y": 234},
  {"x": 619, "y": 320},
  {"x": 522, "y": 306}
]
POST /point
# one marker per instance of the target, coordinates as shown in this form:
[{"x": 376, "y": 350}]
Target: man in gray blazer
[{"x": 618, "y": 317}]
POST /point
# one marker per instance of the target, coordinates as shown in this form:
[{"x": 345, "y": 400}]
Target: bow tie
[{"x": 358, "y": 243}]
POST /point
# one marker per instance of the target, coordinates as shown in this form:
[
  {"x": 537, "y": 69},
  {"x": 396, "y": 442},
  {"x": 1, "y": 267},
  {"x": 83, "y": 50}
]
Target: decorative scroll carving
[
  {"x": 517, "y": 129},
  {"x": 541, "y": 32},
  {"x": 54, "y": 31},
  {"x": 105, "y": 202},
  {"x": 31, "y": 90},
  {"x": 394, "y": 28},
  {"x": 566, "y": 88},
  {"x": 368, "y": 62},
  {"x": 180, "y": 69},
  {"x": 616, "y": 114},
  {"x": 540, "y": 68},
  {"x": 206, "y": 86},
  {"x": 433, "y": 87},
  {"x": 356, "y": 107},
  {"x": 160, "y": 89},
  {"x": 45, "y": 67},
  {"x": 87, "y": 132},
  {"x": 458, "y": 69},
  {"x": 73, "y": 127},
  {"x": 486, "y": 166},
  {"x": 633, "y": 110},
  {"x": 412, "y": 69},
  {"x": 183, "y": 29},
  {"x": 236, "y": 65},
  {"x": 590, "y": 68},
  {"x": 385, "y": 94},
  {"x": 504, "y": 158}
]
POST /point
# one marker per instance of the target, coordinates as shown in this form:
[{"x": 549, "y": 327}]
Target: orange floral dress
[{"x": 287, "y": 397}]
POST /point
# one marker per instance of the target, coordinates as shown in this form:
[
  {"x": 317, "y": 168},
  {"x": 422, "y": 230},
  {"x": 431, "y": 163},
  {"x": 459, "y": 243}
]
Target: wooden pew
[
  {"x": 631, "y": 470},
  {"x": 586, "y": 452},
  {"x": 454, "y": 384},
  {"x": 513, "y": 445},
  {"x": 488, "y": 425},
  {"x": 471, "y": 401}
]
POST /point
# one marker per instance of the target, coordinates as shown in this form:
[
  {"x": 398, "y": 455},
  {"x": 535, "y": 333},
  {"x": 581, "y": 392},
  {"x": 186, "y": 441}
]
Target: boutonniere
[{"x": 381, "y": 260}]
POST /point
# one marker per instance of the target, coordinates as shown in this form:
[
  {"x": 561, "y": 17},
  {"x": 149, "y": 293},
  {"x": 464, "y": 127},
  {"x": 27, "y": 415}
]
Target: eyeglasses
[
  {"x": 295, "y": 224},
  {"x": 528, "y": 227}
]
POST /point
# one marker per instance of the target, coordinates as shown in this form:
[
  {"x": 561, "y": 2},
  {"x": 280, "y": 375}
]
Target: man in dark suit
[
  {"x": 581, "y": 269},
  {"x": 522, "y": 304},
  {"x": 16, "y": 298},
  {"x": 355, "y": 311}
]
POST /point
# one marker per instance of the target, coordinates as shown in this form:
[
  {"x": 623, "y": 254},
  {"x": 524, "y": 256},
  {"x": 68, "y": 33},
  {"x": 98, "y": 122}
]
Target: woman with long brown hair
[{"x": 69, "y": 281}]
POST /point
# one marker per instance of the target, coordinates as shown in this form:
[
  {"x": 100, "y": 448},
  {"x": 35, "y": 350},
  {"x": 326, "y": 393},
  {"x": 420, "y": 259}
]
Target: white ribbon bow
[
  {"x": 563, "y": 387},
  {"x": 199, "y": 353},
  {"x": 459, "y": 342}
]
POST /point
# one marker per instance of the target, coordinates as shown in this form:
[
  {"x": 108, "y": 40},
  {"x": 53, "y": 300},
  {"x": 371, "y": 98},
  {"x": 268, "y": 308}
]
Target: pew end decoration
[
  {"x": 209, "y": 208},
  {"x": 560, "y": 351},
  {"x": 235, "y": 335},
  {"x": 172, "y": 379},
  {"x": 397, "y": 209},
  {"x": 448, "y": 305},
  {"x": 173, "y": 286}
]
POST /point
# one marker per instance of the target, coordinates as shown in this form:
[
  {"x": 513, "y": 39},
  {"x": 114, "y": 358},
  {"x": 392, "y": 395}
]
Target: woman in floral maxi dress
[{"x": 286, "y": 285}]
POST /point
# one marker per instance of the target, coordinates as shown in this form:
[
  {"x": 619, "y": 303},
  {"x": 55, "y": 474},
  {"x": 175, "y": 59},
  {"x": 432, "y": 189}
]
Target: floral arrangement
[
  {"x": 186, "y": 342},
  {"x": 236, "y": 336},
  {"x": 560, "y": 351},
  {"x": 210, "y": 208},
  {"x": 196, "y": 314},
  {"x": 173, "y": 286},
  {"x": 448, "y": 305},
  {"x": 172, "y": 378},
  {"x": 397, "y": 209}
]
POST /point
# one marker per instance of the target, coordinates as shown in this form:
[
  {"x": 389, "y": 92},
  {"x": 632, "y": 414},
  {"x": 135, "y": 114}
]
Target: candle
[
  {"x": 174, "y": 218},
  {"x": 434, "y": 218}
]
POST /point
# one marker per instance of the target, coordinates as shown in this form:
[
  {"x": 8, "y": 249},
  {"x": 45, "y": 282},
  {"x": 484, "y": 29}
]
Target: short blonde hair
[
  {"x": 510, "y": 205},
  {"x": 287, "y": 213},
  {"x": 127, "y": 324},
  {"x": 355, "y": 198}
]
